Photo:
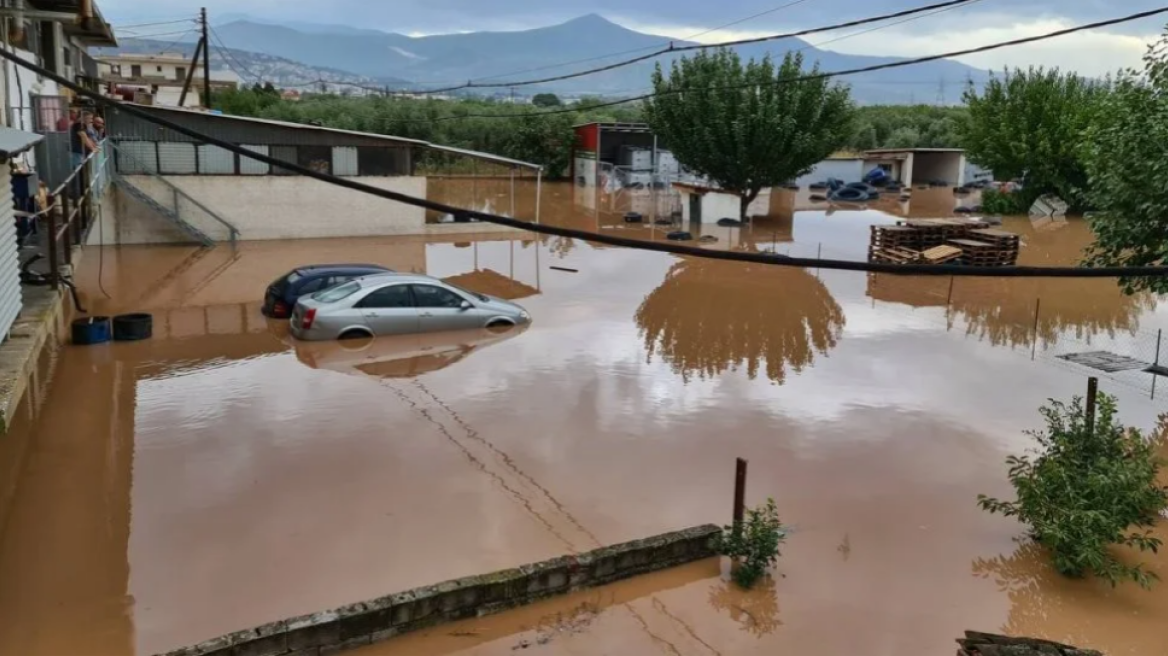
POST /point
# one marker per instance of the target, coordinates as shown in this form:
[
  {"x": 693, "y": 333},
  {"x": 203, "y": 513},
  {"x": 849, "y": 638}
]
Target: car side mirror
[{"x": 466, "y": 305}]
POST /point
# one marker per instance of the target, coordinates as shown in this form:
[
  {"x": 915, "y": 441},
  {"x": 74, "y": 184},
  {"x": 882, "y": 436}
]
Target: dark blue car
[{"x": 282, "y": 294}]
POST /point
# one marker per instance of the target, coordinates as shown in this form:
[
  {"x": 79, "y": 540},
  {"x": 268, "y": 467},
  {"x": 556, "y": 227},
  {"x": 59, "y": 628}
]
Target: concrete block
[
  {"x": 314, "y": 630},
  {"x": 365, "y": 624},
  {"x": 352, "y": 643}
]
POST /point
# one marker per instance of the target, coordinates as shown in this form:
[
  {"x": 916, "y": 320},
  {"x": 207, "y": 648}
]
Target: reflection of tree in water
[
  {"x": 756, "y": 610},
  {"x": 709, "y": 316},
  {"x": 559, "y": 246},
  {"x": 1038, "y": 595}
]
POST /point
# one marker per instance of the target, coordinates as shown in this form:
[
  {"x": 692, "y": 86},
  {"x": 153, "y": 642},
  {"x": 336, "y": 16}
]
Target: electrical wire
[
  {"x": 826, "y": 75},
  {"x": 672, "y": 49},
  {"x": 229, "y": 57},
  {"x": 598, "y": 237},
  {"x": 664, "y": 247},
  {"x": 172, "y": 22},
  {"x": 882, "y": 27},
  {"x": 146, "y": 37}
]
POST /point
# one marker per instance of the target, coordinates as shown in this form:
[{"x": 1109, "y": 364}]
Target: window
[
  {"x": 333, "y": 281},
  {"x": 159, "y": 69},
  {"x": 394, "y": 296},
  {"x": 116, "y": 69},
  {"x": 429, "y": 296},
  {"x": 135, "y": 70},
  {"x": 313, "y": 286},
  {"x": 337, "y": 293},
  {"x": 180, "y": 73}
]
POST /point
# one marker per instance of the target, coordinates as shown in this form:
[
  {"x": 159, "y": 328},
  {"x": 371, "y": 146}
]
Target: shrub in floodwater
[
  {"x": 1085, "y": 491},
  {"x": 754, "y": 543},
  {"x": 994, "y": 201}
]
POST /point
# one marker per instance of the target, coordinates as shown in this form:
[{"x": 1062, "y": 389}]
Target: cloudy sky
[{"x": 984, "y": 21}]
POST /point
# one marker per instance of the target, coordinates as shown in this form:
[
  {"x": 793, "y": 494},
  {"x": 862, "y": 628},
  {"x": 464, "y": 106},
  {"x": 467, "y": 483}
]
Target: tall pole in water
[{"x": 206, "y": 60}]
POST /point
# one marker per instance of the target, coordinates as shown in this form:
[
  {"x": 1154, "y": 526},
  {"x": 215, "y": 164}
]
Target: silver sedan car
[{"x": 398, "y": 304}]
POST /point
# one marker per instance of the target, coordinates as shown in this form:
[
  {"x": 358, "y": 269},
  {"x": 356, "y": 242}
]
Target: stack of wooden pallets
[{"x": 1007, "y": 244}]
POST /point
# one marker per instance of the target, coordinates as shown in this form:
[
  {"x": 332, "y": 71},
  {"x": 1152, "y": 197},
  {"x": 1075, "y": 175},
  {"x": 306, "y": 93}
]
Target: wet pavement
[{"x": 220, "y": 476}]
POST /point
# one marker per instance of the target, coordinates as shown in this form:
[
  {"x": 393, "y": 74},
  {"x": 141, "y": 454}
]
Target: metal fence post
[
  {"x": 67, "y": 216},
  {"x": 51, "y": 219},
  {"x": 1092, "y": 392},
  {"x": 1034, "y": 342},
  {"x": 739, "y": 493}
]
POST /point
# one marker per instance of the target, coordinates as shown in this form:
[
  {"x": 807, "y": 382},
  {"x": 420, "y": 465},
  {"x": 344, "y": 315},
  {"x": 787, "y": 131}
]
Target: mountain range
[{"x": 390, "y": 59}]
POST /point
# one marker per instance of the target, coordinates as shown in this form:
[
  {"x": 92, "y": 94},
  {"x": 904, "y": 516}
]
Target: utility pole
[{"x": 206, "y": 60}]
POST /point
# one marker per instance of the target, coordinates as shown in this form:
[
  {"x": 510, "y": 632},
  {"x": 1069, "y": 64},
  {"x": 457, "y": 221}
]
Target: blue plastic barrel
[{"x": 91, "y": 330}]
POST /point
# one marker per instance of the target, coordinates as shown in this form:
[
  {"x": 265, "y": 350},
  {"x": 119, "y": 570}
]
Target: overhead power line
[
  {"x": 672, "y": 49},
  {"x": 154, "y": 36},
  {"x": 599, "y": 237},
  {"x": 833, "y": 74},
  {"x": 139, "y": 25},
  {"x": 229, "y": 59},
  {"x": 743, "y": 20}
]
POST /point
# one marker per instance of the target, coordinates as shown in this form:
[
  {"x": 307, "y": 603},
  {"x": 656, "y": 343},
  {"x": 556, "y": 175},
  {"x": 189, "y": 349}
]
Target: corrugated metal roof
[
  {"x": 316, "y": 128},
  {"x": 14, "y": 142}
]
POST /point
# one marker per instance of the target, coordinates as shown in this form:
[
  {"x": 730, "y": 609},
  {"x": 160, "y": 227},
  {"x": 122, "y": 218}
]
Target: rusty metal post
[
  {"x": 739, "y": 493},
  {"x": 66, "y": 215},
  {"x": 51, "y": 219},
  {"x": 1092, "y": 392},
  {"x": 1034, "y": 343}
]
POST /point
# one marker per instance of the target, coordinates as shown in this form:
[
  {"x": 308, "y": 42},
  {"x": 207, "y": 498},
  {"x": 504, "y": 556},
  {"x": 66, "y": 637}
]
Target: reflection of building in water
[
  {"x": 1002, "y": 309},
  {"x": 711, "y": 316}
]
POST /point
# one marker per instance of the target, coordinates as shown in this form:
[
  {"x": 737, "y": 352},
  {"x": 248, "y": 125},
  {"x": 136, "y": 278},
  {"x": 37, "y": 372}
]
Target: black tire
[
  {"x": 634, "y": 217},
  {"x": 680, "y": 235},
  {"x": 729, "y": 223},
  {"x": 133, "y": 327}
]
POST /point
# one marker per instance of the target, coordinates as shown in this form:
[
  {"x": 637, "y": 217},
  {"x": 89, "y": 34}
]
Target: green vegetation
[
  {"x": 911, "y": 126},
  {"x": 545, "y": 140},
  {"x": 754, "y": 543},
  {"x": 1087, "y": 490},
  {"x": 1029, "y": 124},
  {"x": 1125, "y": 159},
  {"x": 546, "y": 100},
  {"x": 1001, "y": 202},
  {"x": 748, "y": 126}
]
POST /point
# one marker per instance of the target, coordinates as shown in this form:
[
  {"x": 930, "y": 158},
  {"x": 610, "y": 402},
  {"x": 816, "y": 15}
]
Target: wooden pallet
[{"x": 941, "y": 254}]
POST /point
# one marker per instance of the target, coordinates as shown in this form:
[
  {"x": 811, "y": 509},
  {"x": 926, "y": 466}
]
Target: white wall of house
[
  {"x": 717, "y": 205},
  {"x": 265, "y": 207}
]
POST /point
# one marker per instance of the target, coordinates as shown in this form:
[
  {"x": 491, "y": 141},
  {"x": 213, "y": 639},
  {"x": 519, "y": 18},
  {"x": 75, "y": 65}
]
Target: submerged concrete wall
[
  {"x": 265, "y": 207},
  {"x": 360, "y": 624},
  {"x": 991, "y": 644}
]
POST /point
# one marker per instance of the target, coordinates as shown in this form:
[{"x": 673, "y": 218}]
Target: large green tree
[
  {"x": 1126, "y": 154},
  {"x": 1029, "y": 124},
  {"x": 748, "y": 126}
]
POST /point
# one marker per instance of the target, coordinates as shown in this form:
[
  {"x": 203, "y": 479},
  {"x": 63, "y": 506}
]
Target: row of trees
[{"x": 536, "y": 137}]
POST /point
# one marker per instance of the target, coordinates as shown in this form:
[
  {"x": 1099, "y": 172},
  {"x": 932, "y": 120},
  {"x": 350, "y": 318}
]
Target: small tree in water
[
  {"x": 754, "y": 543},
  {"x": 1085, "y": 491},
  {"x": 748, "y": 127}
]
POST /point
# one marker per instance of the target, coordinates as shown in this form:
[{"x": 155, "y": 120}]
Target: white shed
[
  {"x": 12, "y": 143},
  {"x": 701, "y": 204}
]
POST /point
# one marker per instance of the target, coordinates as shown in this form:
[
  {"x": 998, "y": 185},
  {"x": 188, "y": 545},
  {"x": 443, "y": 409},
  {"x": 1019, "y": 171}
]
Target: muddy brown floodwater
[{"x": 220, "y": 476}]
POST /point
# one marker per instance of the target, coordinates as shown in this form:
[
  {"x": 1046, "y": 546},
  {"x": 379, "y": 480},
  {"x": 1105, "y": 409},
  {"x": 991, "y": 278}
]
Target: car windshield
[
  {"x": 293, "y": 277},
  {"x": 338, "y": 293}
]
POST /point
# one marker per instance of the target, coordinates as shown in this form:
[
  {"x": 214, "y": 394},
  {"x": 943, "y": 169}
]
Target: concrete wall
[
  {"x": 268, "y": 207},
  {"x": 360, "y": 624},
  {"x": 949, "y": 167}
]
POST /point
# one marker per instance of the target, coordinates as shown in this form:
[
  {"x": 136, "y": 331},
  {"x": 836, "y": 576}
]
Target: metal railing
[
  {"x": 76, "y": 204},
  {"x": 173, "y": 206}
]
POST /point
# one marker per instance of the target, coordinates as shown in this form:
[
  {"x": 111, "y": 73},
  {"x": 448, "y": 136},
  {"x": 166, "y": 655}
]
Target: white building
[{"x": 159, "y": 79}]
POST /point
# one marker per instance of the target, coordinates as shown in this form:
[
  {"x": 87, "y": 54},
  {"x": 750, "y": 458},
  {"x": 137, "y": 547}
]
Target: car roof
[
  {"x": 383, "y": 278},
  {"x": 318, "y": 269}
]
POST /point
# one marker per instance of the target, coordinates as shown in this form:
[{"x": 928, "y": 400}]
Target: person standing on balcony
[
  {"x": 66, "y": 120},
  {"x": 83, "y": 145}
]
